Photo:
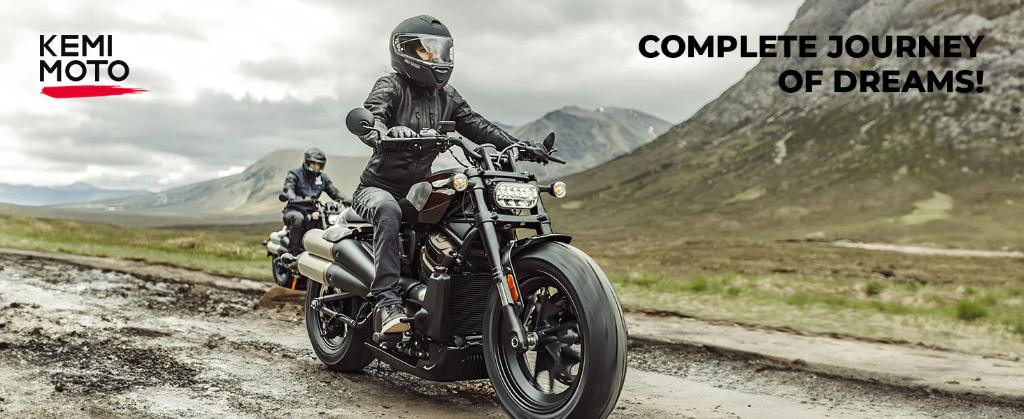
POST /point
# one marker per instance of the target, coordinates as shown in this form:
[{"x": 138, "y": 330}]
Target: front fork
[{"x": 520, "y": 339}]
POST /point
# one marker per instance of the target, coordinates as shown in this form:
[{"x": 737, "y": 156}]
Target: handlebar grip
[{"x": 556, "y": 159}]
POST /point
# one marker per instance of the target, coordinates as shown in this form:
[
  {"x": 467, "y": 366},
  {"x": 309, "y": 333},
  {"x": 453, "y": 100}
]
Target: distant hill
[
  {"x": 588, "y": 137},
  {"x": 942, "y": 168},
  {"x": 250, "y": 193},
  {"x": 79, "y": 192},
  {"x": 584, "y": 137}
]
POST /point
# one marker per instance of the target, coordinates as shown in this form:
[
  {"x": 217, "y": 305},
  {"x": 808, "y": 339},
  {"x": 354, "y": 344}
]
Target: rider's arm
[
  {"x": 380, "y": 103},
  {"x": 475, "y": 127},
  {"x": 289, "y": 185}
]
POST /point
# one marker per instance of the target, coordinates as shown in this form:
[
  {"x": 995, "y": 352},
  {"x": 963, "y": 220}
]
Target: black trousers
[
  {"x": 383, "y": 211},
  {"x": 295, "y": 220}
]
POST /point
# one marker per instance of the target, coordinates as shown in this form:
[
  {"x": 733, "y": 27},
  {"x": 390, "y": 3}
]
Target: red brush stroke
[{"x": 67, "y": 92}]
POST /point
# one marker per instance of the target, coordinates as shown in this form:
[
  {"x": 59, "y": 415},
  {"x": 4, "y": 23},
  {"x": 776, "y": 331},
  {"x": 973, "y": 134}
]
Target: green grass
[
  {"x": 982, "y": 318},
  {"x": 874, "y": 288},
  {"x": 220, "y": 251},
  {"x": 970, "y": 311}
]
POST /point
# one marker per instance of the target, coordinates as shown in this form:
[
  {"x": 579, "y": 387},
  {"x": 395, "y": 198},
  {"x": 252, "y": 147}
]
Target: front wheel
[
  {"x": 282, "y": 275},
  {"x": 579, "y": 363}
]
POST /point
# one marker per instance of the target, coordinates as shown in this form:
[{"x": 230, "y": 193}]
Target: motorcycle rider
[
  {"x": 303, "y": 186},
  {"x": 416, "y": 96}
]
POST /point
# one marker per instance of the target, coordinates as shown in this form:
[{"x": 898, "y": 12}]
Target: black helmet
[
  {"x": 314, "y": 160},
  {"x": 422, "y": 51}
]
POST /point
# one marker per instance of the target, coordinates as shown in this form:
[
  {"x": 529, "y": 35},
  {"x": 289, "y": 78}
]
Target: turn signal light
[
  {"x": 512, "y": 287},
  {"x": 460, "y": 182},
  {"x": 558, "y": 189}
]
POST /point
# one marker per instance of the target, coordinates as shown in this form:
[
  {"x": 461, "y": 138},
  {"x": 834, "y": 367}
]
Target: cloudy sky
[{"x": 231, "y": 80}]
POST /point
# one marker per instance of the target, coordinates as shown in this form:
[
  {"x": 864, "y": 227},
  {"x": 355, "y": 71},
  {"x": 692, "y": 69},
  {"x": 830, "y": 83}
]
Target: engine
[{"x": 437, "y": 254}]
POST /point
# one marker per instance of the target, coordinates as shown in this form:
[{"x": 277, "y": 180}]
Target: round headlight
[
  {"x": 558, "y": 189},
  {"x": 459, "y": 182}
]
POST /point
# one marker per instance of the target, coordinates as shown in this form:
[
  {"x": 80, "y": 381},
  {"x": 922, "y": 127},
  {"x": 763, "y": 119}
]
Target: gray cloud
[
  {"x": 515, "y": 62},
  {"x": 212, "y": 132}
]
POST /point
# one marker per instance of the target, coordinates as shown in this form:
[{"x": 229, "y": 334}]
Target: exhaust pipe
[
  {"x": 327, "y": 273},
  {"x": 313, "y": 267},
  {"x": 352, "y": 256},
  {"x": 314, "y": 243},
  {"x": 346, "y": 253}
]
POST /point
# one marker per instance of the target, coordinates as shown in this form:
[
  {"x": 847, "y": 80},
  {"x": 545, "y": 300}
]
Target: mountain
[
  {"x": 945, "y": 168},
  {"x": 584, "y": 138},
  {"x": 79, "y": 192},
  {"x": 250, "y": 193}
]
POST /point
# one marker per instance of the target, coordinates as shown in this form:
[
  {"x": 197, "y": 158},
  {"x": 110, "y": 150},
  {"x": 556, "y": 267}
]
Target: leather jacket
[
  {"x": 300, "y": 184},
  {"x": 394, "y": 101}
]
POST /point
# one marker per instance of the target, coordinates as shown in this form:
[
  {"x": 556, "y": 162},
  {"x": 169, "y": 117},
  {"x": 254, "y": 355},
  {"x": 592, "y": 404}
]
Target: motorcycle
[
  {"x": 282, "y": 263},
  {"x": 532, "y": 313}
]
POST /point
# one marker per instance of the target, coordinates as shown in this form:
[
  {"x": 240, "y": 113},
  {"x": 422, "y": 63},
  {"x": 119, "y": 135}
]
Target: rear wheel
[
  {"x": 339, "y": 346},
  {"x": 578, "y": 365}
]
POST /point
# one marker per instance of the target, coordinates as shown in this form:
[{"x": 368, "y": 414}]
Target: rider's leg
[
  {"x": 382, "y": 210},
  {"x": 295, "y": 221}
]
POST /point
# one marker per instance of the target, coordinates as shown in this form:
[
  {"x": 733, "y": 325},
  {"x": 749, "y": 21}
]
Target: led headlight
[{"x": 515, "y": 195}]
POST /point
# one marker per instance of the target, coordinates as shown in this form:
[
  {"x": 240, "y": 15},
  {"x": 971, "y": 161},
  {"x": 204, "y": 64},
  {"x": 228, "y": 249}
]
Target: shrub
[
  {"x": 970, "y": 310},
  {"x": 874, "y": 288},
  {"x": 699, "y": 285}
]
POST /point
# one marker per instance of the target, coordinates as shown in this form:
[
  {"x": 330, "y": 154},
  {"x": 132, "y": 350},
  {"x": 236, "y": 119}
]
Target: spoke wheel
[
  {"x": 544, "y": 377},
  {"x": 577, "y": 366},
  {"x": 339, "y": 346},
  {"x": 333, "y": 332}
]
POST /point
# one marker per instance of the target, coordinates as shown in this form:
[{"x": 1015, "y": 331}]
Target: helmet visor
[{"x": 427, "y": 48}]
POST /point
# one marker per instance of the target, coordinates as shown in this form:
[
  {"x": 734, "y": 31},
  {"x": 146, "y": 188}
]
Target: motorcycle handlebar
[{"x": 468, "y": 146}]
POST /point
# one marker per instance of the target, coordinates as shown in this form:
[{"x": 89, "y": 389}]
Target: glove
[
  {"x": 532, "y": 151},
  {"x": 401, "y": 132}
]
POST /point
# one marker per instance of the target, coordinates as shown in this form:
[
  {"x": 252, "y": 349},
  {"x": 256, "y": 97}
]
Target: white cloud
[{"x": 516, "y": 61}]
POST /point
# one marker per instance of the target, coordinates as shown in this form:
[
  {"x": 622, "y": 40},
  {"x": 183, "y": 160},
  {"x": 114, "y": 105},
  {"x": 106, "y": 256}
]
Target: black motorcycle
[
  {"x": 533, "y": 314},
  {"x": 282, "y": 264}
]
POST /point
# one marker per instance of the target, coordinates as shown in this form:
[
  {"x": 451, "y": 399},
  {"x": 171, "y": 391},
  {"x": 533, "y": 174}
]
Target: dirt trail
[
  {"x": 76, "y": 340},
  {"x": 930, "y": 251}
]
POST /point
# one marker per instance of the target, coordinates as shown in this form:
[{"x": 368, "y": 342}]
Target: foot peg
[{"x": 387, "y": 337}]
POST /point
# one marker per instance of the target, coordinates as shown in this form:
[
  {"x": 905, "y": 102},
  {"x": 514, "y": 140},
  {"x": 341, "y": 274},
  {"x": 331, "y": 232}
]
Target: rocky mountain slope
[
  {"x": 588, "y": 137},
  {"x": 252, "y": 192},
  {"x": 79, "y": 192},
  {"x": 943, "y": 168}
]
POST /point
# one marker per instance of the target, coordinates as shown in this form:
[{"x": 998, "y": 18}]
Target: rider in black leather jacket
[
  {"x": 416, "y": 97},
  {"x": 400, "y": 104}
]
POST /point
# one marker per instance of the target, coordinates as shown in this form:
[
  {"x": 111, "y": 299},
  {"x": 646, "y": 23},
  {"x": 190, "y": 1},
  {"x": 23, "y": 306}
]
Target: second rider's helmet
[
  {"x": 314, "y": 160},
  {"x": 422, "y": 51}
]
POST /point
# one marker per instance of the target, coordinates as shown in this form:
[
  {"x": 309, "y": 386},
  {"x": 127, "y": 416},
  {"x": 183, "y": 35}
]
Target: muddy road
[{"x": 84, "y": 341}]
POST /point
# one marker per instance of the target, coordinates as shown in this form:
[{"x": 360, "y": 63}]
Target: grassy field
[
  {"x": 966, "y": 304},
  {"x": 222, "y": 250}
]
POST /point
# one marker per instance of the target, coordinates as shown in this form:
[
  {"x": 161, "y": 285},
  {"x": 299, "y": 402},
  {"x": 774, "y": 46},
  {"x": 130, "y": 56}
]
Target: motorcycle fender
[{"x": 520, "y": 245}]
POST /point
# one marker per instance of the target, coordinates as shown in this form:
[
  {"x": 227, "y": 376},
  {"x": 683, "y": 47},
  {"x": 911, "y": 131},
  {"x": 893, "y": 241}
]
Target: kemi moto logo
[{"x": 77, "y": 58}]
